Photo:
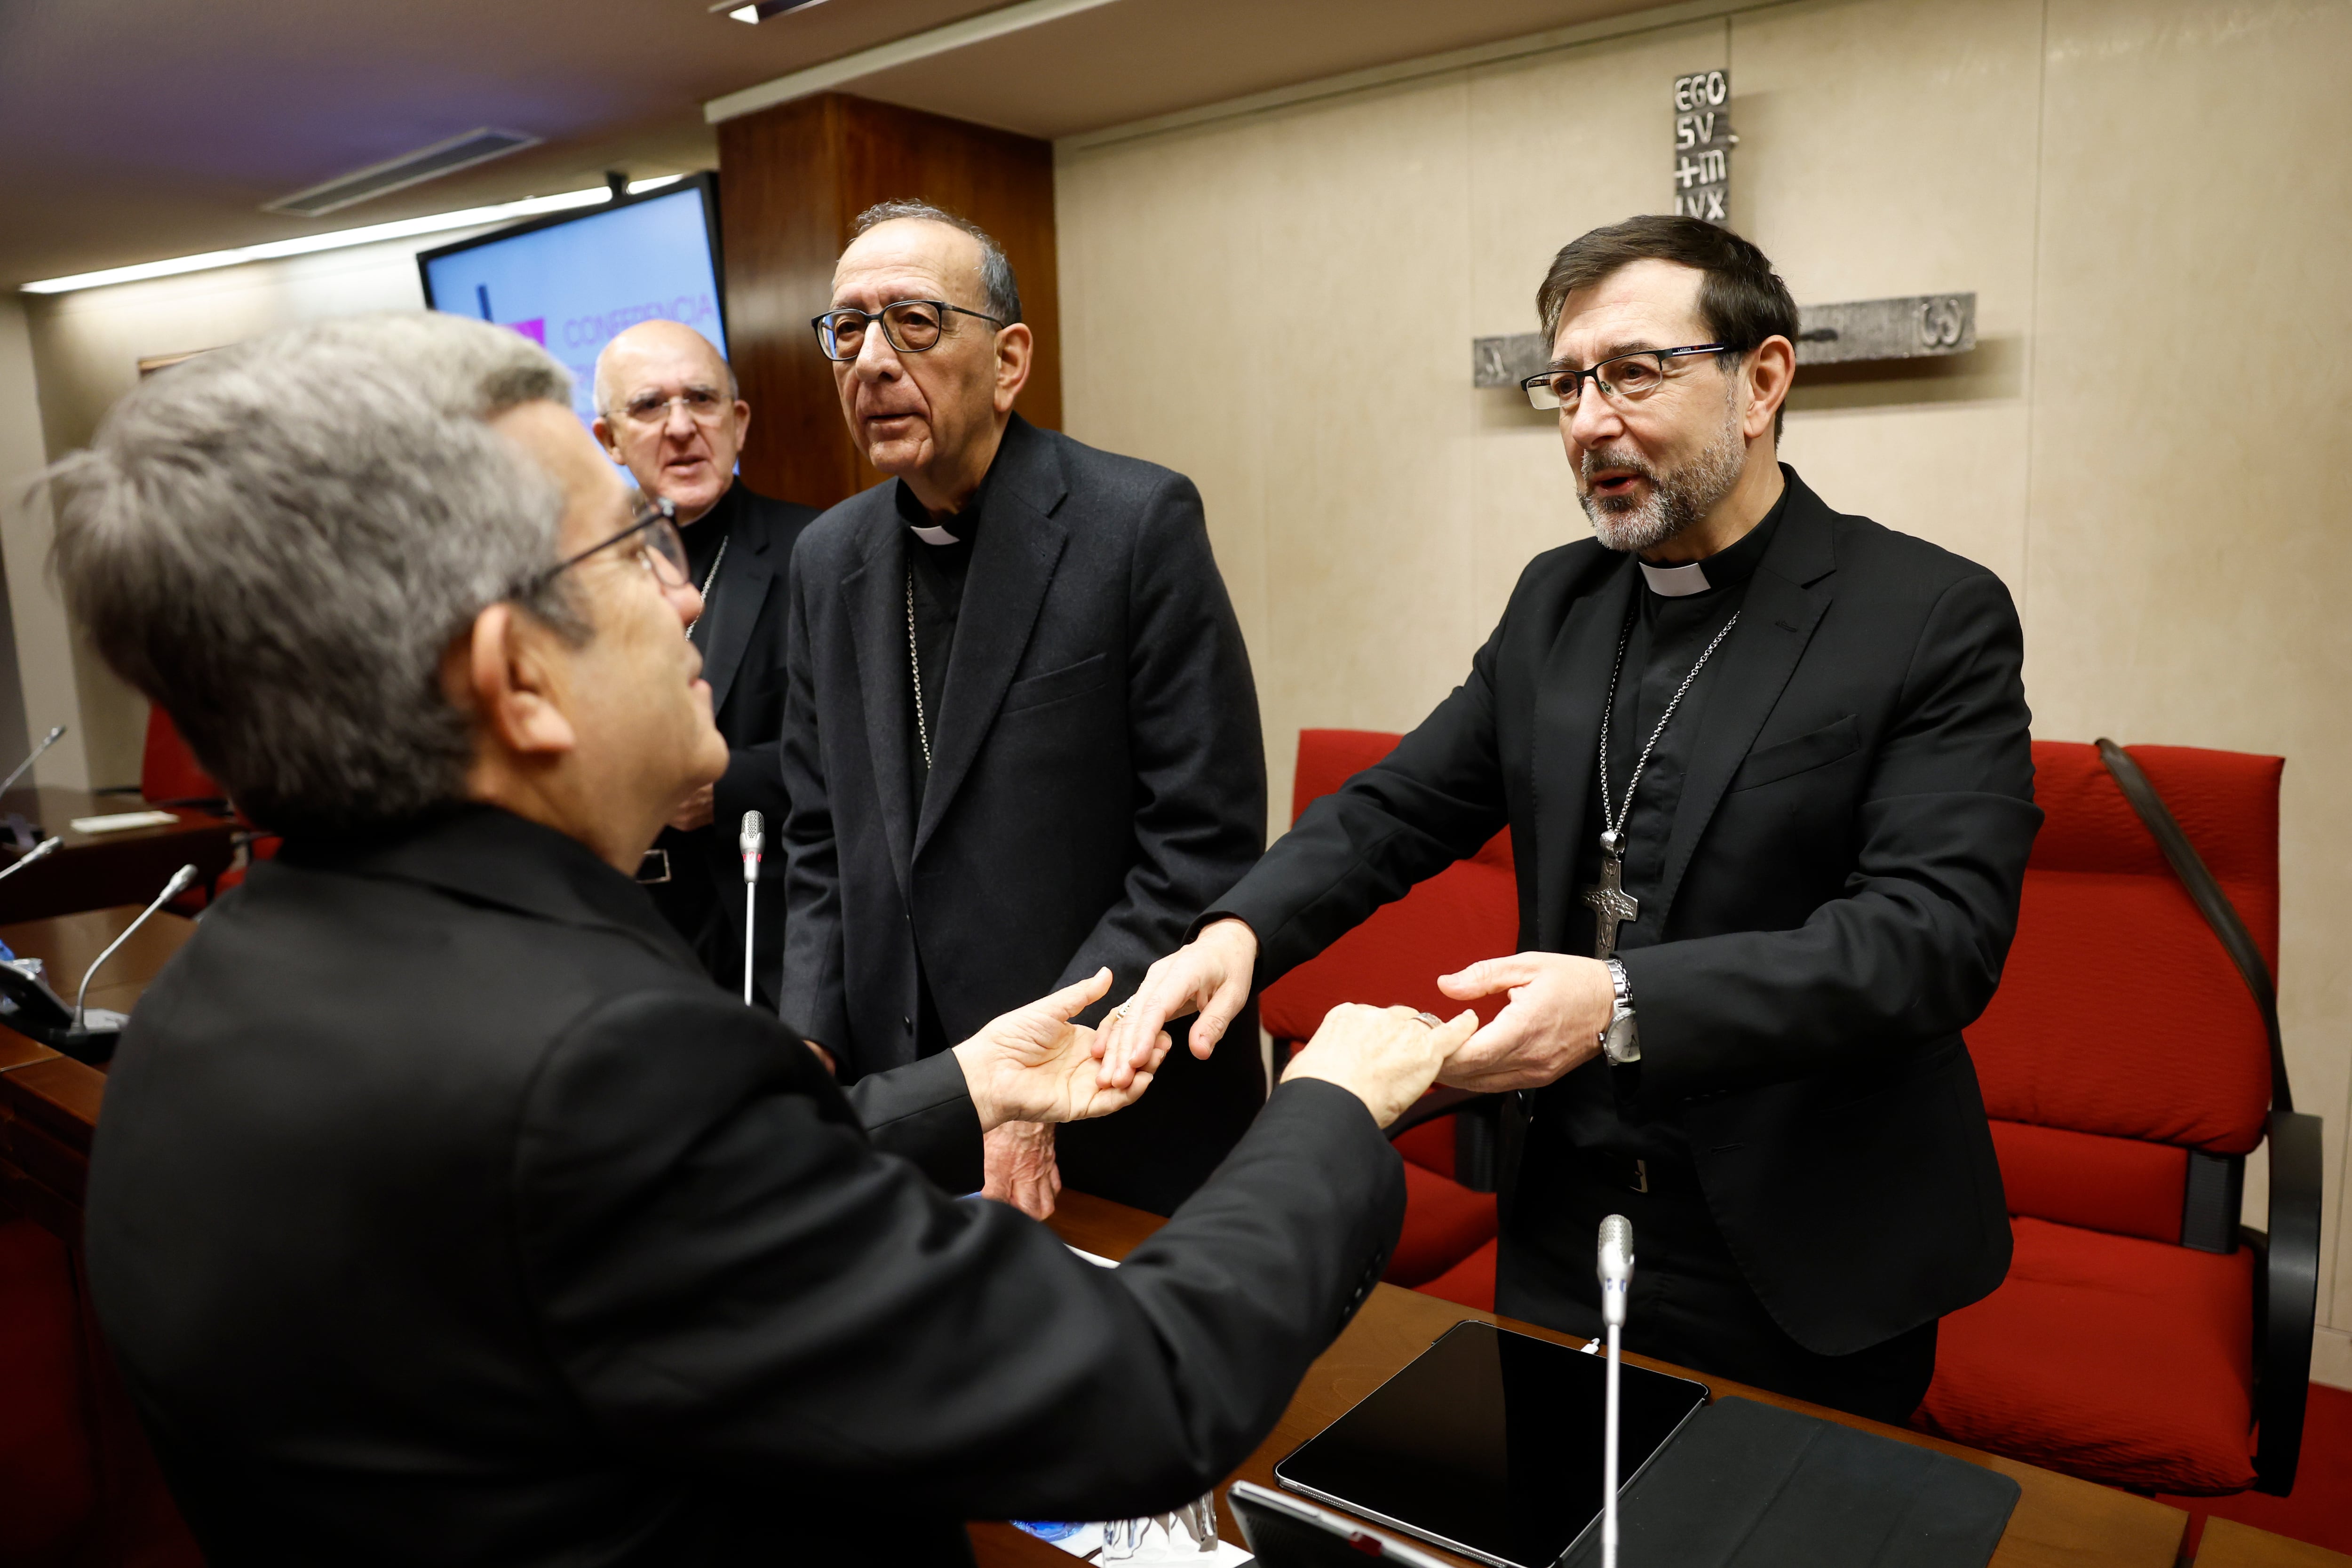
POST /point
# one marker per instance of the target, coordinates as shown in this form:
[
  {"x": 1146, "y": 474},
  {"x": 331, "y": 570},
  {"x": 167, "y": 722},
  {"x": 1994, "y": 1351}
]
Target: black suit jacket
[
  {"x": 742, "y": 640},
  {"x": 1842, "y": 883},
  {"x": 443, "y": 1212},
  {"x": 1098, "y": 778}
]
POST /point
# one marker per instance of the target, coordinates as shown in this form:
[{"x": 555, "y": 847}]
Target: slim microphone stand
[
  {"x": 46, "y": 741},
  {"x": 1608, "y": 1465},
  {"x": 29, "y": 857},
  {"x": 1616, "y": 1272},
  {"x": 752, "y": 841},
  {"x": 179, "y": 883}
]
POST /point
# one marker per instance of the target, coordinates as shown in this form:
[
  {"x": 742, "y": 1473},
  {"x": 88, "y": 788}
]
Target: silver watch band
[{"x": 1621, "y": 1042}]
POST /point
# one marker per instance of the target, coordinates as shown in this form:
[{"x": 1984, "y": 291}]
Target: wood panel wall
[{"x": 792, "y": 180}]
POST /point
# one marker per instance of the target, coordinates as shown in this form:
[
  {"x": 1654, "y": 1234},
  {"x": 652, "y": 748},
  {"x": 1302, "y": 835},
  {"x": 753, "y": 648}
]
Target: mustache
[{"x": 1631, "y": 462}]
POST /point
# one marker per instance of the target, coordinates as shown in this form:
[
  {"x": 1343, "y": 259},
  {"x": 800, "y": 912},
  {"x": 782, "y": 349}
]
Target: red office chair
[
  {"x": 1466, "y": 912},
  {"x": 2141, "y": 1339},
  {"x": 169, "y": 773}
]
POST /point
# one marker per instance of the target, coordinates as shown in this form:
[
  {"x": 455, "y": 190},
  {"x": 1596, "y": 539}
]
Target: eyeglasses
[
  {"x": 911, "y": 326},
  {"x": 653, "y": 523},
  {"x": 703, "y": 405},
  {"x": 1627, "y": 378}
]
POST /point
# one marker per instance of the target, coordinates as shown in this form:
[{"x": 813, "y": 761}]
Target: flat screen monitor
[{"x": 573, "y": 281}]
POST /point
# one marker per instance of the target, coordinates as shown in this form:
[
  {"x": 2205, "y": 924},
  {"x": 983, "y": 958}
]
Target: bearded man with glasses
[
  {"x": 1770, "y": 794},
  {"x": 1021, "y": 738},
  {"x": 667, "y": 409}
]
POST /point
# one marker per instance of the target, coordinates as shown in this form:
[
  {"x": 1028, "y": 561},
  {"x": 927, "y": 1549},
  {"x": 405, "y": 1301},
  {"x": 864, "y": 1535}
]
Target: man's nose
[
  {"x": 1595, "y": 420},
  {"x": 685, "y": 599},
  {"x": 677, "y": 423},
  {"x": 876, "y": 360}
]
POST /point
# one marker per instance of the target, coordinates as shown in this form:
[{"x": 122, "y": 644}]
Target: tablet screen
[{"x": 1489, "y": 1444}]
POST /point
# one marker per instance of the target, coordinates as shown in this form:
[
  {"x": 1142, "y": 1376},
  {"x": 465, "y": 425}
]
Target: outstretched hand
[
  {"x": 1558, "y": 1007},
  {"x": 1209, "y": 975},
  {"x": 1033, "y": 1064}
]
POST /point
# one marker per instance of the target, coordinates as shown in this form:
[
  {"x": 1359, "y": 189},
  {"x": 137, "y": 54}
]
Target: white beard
[{"x": 1677, "y": 499}]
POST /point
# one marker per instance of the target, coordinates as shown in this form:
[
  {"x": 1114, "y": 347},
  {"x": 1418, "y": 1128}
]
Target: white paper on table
[
  {"x": 1158, "y": 1551},
  {"x": 1099, "y": 1262},
  {"x": 122, "y": 821}
]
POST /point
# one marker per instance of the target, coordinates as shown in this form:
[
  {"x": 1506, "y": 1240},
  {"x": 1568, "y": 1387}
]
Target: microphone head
[
  {"x": 755, "y": 832},
  {"x": 1616, "y": 1266},
  {"x": 182, "y": 879},
  {"x": 51, "y": 738}
]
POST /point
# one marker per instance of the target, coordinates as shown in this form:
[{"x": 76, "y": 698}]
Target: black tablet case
[{"x": 1744, "y": 1485}]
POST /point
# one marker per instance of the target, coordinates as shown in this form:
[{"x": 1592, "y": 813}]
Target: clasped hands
[{"x": 1551, "y": 1025}]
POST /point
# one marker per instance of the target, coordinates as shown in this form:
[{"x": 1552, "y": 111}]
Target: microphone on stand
[
  {"x": 171, "y": 889},
  {"x": 754, "y": 840},
  {"x": 1616, "y": 1271},
  {"x": 46, "y": 741},
  {"x": 29, "y": 857}
]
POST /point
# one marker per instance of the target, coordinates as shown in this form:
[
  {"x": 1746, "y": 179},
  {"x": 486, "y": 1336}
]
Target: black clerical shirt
[
  {"x": 1665, "y": 640},
  {"x": 937, "y": 572}
]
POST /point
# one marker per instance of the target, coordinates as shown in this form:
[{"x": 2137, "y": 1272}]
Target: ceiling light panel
[{"x": 398, "y": 173}]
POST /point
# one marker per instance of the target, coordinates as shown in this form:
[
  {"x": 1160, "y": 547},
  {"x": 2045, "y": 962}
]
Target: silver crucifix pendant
[{"x": 1613, "y": 906}]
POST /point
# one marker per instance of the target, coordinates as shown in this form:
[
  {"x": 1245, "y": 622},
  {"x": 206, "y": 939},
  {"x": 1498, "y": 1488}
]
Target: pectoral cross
[{"x": 1613, "y": 906}]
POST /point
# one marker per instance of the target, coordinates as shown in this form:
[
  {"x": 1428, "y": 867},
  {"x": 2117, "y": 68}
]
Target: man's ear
[
  {"x": 1015, "y": 347},
  {"x": 742, "y": 421},
  {"x": 511, "y": 675},
  {"x": 601, "y": 428},
  {"x": 1772, "y": 370}
]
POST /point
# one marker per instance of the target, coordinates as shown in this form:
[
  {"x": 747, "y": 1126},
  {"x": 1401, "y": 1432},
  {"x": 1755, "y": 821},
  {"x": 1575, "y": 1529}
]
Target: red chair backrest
[
  {"x": 168, "y": 770},
  {"x": 1468, "y": 911},
  {"x": 2122, "y": 1035}
]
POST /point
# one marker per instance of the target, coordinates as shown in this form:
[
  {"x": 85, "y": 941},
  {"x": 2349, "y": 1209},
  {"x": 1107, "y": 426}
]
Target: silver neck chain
[
  {"x": 915, "y": 665},
  {"x": 709, "y": 578},
  {"x": 1609, "y": 710}
]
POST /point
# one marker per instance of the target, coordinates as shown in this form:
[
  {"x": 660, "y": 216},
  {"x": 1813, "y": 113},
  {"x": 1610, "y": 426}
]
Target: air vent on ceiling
[{"x": 412, "y": 168}]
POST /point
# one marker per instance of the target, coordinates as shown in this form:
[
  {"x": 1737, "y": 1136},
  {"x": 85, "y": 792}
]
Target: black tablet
[{"x": 1489, "y": 1445}]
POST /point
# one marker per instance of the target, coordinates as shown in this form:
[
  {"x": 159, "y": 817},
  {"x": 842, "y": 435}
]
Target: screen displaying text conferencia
[{"x": 573, "y": 283}]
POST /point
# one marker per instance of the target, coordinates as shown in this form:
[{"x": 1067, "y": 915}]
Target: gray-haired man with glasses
[
  {"x": 667, "y": 410},
  {"x": 1021, "y": 738},
  {"x": 1770, "y": 788}
]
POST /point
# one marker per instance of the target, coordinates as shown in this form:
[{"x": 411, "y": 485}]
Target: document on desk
[
  {"x": 122, "y": 821},
  {"x": 1157, "y": 1549}
]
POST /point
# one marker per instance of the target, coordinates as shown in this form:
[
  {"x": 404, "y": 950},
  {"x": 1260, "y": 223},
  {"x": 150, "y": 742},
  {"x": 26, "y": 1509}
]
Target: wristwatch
[{"x": 1621, "y": 1042}]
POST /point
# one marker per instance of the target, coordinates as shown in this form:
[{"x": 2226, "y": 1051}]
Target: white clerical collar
[
  {"x": 1676, "y": 582},
  {"x": 941, "y": 536}
]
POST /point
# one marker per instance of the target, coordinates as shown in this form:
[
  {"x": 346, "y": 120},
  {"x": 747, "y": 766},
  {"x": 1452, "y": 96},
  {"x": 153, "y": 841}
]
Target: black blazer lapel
[
  {"x": 1574, "y": 684},
  {"x": 874, "y": 599},
  {"x": 1013, "y": 565},
  {"x": 737, "y": 599},
  {"x": 1786, "y": 600}
]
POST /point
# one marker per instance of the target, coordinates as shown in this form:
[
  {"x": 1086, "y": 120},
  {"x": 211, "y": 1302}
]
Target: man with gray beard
[{"x": 1770, "y": 788}]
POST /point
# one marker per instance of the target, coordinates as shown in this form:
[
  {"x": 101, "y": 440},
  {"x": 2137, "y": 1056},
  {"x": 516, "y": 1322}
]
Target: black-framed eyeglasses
[
  {"x": 910, "y": 326},
  {"x": 1626, "y": 378},
  {"x": 653, "y": 523}
]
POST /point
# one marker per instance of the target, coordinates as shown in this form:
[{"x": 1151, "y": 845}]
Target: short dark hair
[
  {"x": 997, "y": 285},
  {"x": 1741, "y": 301}
]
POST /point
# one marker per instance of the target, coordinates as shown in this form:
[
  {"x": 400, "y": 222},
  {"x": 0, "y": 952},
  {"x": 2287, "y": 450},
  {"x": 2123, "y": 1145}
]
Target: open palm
[{"x": 1033, "y": 1064}]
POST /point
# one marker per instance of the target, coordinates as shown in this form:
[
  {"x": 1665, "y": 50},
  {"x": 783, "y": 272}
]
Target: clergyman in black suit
[
  {"x": 1083, "y": 772},
  {"x": 1769, "y": 789},
  {"x": 667, "y": 409},
  {"x": 442, "y": 1211}
]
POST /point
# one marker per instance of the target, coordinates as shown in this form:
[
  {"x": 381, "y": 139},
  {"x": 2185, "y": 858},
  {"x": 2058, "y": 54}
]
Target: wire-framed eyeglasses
[
  {"x": 703, "y": 405},
  {"x": 910, "y": 326},
  {"x": 1626, "y": 378},
  {"x": 653, "y": 523}
]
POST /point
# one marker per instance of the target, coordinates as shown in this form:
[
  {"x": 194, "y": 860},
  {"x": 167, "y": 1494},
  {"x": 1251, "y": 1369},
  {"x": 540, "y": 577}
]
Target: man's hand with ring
[
  {"x": 1209, "y": 975},
  {"x": 1385, "y": 1057}
]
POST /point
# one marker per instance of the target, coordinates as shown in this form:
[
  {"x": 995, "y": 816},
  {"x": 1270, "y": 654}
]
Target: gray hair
[
  {"x": 278, "y": 542},
  {"x": 996, "y": 281}
]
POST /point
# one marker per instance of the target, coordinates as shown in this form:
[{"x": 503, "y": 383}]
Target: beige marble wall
[{"x": 2147, "y": 447}]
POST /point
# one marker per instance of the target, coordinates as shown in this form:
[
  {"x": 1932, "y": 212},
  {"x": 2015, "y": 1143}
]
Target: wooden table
[
  {"x": 94, "y": 871},
  {"x": 2229, "y": 1544},
  {"x": 2060, "y": 1522}
]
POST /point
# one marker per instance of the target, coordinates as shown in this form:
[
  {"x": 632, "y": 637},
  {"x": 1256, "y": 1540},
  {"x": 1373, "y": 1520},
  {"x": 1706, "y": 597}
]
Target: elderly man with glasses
[
  {"x": 1021, "y": 738},
  {"x": 668, "y": 411},
  {"x": 442, "y": 1211},
  {"x": 1770, "y": 794}
]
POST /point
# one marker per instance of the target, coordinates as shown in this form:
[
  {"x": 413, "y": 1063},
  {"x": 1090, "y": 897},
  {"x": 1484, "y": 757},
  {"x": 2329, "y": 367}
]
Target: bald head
[{"x": 668, "y": 410}]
